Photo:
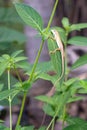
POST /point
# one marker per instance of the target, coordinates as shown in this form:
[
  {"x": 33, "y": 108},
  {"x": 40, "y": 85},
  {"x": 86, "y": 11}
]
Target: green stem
[
  {"x": 52, "y": 15},
  {"x": 19, "y": 78},
  {"x": 53, "y": 125},
  {"x": 36, "y": 61},
  {"x": 53, "y": 119},
  {"x": 21, "y": 110},
  {"x": 64, "y": 113},
  {"x": 29, "y": 80},
  {"x": 10, "y": 108}
]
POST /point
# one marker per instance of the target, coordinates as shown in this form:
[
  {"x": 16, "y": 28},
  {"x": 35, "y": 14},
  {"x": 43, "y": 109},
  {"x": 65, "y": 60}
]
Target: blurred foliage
[
  {"x": 12, "y": 37},
  {"x": 11, "y": 28}
]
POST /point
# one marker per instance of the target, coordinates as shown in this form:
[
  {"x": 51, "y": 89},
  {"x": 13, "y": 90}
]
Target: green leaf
[
  {"x": 83, "y": 83},
  {"x": 10, "y": 35},
  {"x": 28, "y": 128},
  {"x": 41, "y": 67},
  {"x": 6, "y": 93},
  {"x": 70, "y": 81},
  {"x": 29, "y": 16},
  {"x": 78, "y": 40},
  {"x": 14, "y": 54},
  {"x": 3, "y": 66},
  {"x": 82, "y": 91},
  {"x": 78, "y": 26},
  {"x": 21, "y": 58},
  {"x": 48, "y": 109},
  {"x": 2, "y": 127},
  {"x": 45, "y": 99},
  {"x": 42, "y": 128},
  {"x": 74, "y": 99},
  {"x": 1, "y": 121},
  {"x": 1, "y": 86},
  {"x": 9, "y": 15},
  {"x": 65, "y": 23},
  {"x": 7, "y": 129},
  {"x": 45, "y": 76},
  {"x": 15, "y": 101},
  {"x": 76, "y": 124},
  {"x": 75, "y": 120},
  {"x": 76, "y": 127},
  {"x": 81, "y": 61},
  {"x": 55, "y": 57}
]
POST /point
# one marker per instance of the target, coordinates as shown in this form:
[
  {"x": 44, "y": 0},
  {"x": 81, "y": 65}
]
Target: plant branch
[
  {"x": 29, "y": 80},
  {"x": 10, "y": 109},
  {"x": 52, "y": 15},
  {"x": 36, "y": 61},
  {"x": 22, "y": 108}
]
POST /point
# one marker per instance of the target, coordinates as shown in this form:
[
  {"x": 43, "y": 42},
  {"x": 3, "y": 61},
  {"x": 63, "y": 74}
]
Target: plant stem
[
  {"x": 29, "y": 80},
  {"x": 21, "y": 110},
  {"x": 64, "y": 113},
  {"x": 36, "y": 61},
  {"x": 19, "y": 78},
  {"x": 52, "y": 15},
  {"x": 53, "y": 119},
  {"x": 10, "y": 109},
  {"x": 53, "y": 125}
]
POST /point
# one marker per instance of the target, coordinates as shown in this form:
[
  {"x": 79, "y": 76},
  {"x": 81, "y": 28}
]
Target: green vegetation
[{"x": 65, "y": 89}]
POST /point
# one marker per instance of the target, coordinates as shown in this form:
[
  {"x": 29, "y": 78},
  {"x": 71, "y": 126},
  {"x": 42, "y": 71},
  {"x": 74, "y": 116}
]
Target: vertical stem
[
  {"x": 21, "y": 111},
  {"x": 36, "y": 61},
  {"x": 53, "y": 125},
  {"x": 29, "y": 80},
  {"x": 52, "y": 15},
  {"x": 64, "y": 113},
  {"x": 10, "y": 109}
]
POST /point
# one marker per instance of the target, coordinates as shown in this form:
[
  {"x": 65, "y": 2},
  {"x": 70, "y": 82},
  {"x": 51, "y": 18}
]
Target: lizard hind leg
[{"x": 52, "y": 52}]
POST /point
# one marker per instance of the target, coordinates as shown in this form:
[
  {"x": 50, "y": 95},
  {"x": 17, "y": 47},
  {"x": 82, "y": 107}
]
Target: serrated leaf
[
  {"x": 76, "y": 124},
  {"x": 78, "y": 26},
  {"x": 74, "y": 99},
  {"x": 3, "y": 66},
  {"x": 46, "y": 77},
  {"x": 81, "y": 61},
  {"x": 75, "y": 120},
  {"x": 45, "y": 99},
  {"x": 83, "y": 83},
  {"x": 14, "y": 54},
  {"x": 10, "y": 35},
  {"x": 21, "y": 58},
  {"x": 29, "y": 16},
  {"x": 6, "y": 93},
  {"x": 76, "y": 127},
  {"x": 15, "y": 101},
  {"x": 82, "y": 91},
  {"x": 78, "y": 40},
  {"x": 70, "y": 81}
]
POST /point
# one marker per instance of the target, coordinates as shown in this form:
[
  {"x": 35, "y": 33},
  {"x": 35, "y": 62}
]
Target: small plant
[{"x": 64, "y": 90}]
